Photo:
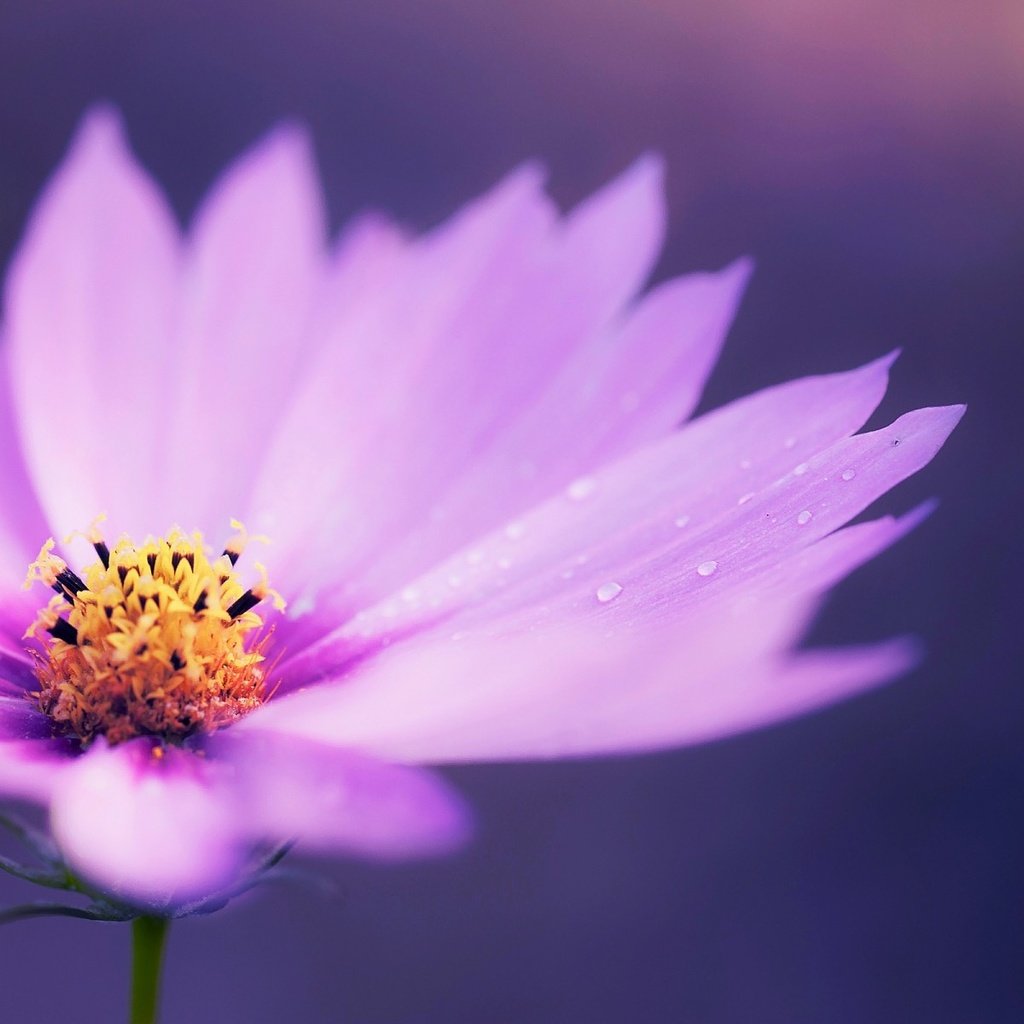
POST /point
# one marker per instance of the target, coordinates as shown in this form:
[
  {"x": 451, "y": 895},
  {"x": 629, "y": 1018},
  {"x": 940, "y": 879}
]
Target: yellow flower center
[{"x": 153, "y": 639}]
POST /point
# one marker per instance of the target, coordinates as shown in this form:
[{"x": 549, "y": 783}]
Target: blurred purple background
[{"x": 859, "y": 866}]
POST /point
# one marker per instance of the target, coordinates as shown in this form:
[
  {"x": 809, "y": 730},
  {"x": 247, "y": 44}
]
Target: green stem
[{"x": 148, "y": 937}]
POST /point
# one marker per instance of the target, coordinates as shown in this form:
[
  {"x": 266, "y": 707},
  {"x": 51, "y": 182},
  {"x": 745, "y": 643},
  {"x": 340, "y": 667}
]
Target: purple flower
[{"x": 492, "y": 540}]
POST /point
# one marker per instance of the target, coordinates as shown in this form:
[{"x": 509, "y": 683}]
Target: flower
[{"x": 493, "y": 541}]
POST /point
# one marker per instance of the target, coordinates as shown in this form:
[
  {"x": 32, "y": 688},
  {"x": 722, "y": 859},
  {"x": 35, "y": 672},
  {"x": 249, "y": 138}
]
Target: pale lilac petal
[
  {"x": 31, "y": 769},
  {"x": 89, "y": 309},
  {"x": 18, "y": 607},
  {"x": 660, "y": 570},
  {"x": 822, "y": 565},
  {"x": 578, "y": 691},
  {"x": 465, "y": 339},
  {"x": 631, "y": 386},
  {"x": 757, "y": 536},
  {"x": 22, "y": 524},
  {"x": 151, "y": 831},
  {"x": 256, "y": 265},
  {"x": 657, "y": 498},
  {"x": 337, "y": 800}
]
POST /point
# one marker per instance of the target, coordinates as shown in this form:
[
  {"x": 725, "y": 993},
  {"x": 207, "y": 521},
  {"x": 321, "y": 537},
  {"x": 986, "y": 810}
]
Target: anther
[
  {"x": 177, "y": 661},
  {"x": 63, "y": 630},
  {"x": 244, "y": 603},
  {"x": 104, "y": 553},
  {"x": 200, "y": 602},
  {"x": 68, "y": 583}
]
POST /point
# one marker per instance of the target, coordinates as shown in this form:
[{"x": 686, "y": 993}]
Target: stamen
[
  {"x": 104, "y": 553},
  {"x": 63, "y": 630},
  {"x": 68, "y": 583},
  {"x": 248, "y": 600},
  {"x": 149, "y": 647}
]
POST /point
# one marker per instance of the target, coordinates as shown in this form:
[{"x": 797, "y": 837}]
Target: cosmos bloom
[{"x": 489, "y": 539}]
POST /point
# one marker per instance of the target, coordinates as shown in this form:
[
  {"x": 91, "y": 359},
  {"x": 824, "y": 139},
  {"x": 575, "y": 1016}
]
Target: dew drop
[
  {"x": 474, "y": 557},
  {"x": 410, "y": 595},
  {"x": 707, "y": 568},
  {"x": 515, "y": 530},
  {"x": 746, "y": 497},
  {"x": 849, "y": 474},
  {"x": 804, "y": 518},
  {"x": 801, "y": 469},
  {"x": 790, "y": 442},
  {"x": 582, "y": 488},
  {"x": 608, "y": 592},
  {"x": 302, "y": 606},
  {"x": 681, "y": 521}
]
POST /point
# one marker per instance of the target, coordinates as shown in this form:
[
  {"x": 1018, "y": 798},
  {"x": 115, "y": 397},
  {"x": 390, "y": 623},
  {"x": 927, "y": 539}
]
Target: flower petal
[
  {"x": 653, "y": 500},
  {"x": 577, "y": 691},
  {"x": 31, "y": 769},
  {"x": 151, "y": 831},
  {"x": 89, "y": 308},
  {"x": 256, "y": 263},
  {"x": 16, "y": 672},
  {"x": 19, "y": 720},
  {"x": 415, "y": 392},
  {"x": 337, "y": 800},
  {"x": 22, "y": 524}
]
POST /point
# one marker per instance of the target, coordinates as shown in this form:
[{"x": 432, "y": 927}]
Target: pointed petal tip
[
  {"x": 289, "y": 140},
  {"x": 650, "y": 166},
  {"x": 889, "y": 358},
  {"x": 740, "y": 270},
  {"x": 100, "y": 130},
  {"x": 917, "y": 515},
  {"x": 902, "y": 654},
  {"x": 530, "y": 176}
]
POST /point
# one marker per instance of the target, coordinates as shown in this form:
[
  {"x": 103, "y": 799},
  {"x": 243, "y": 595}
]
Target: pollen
[{"x": 158, "y": 639}]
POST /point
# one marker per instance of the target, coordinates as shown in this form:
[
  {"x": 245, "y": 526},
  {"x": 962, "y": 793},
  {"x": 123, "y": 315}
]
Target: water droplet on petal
[
  {"x": 582, "y": 488},
  {"x": 804, "y": 518},
  {"x": 746, "y": 497},
  {"x": 410, "y": 595},
  {"x": 474, "y": 557},
  {"x": 707, "y": 568},
  {"x": 801, "y": 469},
  {"x": 608, "y": 592},
  {"x": 681, "y": 521},
  {"x": 849, "y": 474},
  {"x": 515, "y": 530},
  {"x": 790, "y": 442}
]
